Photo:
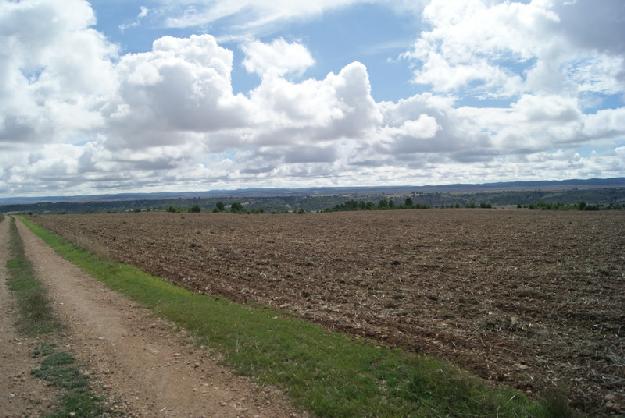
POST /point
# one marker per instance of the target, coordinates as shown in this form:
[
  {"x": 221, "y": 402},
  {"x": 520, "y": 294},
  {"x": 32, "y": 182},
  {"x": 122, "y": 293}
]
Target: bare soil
[
  {"x": 533, "y": 299},
  {"x": 142, "y": 363}
]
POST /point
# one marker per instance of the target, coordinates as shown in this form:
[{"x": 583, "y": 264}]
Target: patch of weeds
[
  {"x": 43, "y": 349},
  {"x": 35, "y": 314},
  {"x": 556, "y": 405},
  {"x": 59, "y": 368}
]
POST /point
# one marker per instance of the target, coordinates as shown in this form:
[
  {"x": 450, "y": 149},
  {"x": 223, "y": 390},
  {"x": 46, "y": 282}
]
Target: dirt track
[
  {"x": 20, "y": 393},
  {"x": 533, "y": 299},
  {"x": 141, "y": 362}
]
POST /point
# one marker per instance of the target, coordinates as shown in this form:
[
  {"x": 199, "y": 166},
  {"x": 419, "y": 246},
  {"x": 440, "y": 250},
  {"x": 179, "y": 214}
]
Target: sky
[{"x": 112, "y": 96}]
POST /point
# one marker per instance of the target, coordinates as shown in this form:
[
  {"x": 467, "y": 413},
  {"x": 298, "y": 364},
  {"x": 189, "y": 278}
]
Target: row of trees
[
  {"x": 351, "y": 205},
  {"x": 560, "y": 206},
  {"x": 235, "y": 207},
  {"x": 383, "y": 204},
  {"x": 408, "y": 203}
]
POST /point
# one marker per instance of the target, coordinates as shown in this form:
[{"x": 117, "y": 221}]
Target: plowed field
[{"x": 535, "y": 299}]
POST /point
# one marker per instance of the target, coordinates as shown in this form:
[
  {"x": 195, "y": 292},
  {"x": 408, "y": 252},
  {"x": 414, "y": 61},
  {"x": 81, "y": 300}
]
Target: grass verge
[
  {"x": 35, "y": 314},
  {"x": 36, "y": 318},
  {"x": 327, "y": 373}
]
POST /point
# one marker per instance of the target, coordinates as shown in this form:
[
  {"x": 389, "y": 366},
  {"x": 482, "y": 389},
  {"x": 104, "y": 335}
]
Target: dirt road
[
  {"x": 139, "y": 360},
  {"x": 20, "y": 393}
]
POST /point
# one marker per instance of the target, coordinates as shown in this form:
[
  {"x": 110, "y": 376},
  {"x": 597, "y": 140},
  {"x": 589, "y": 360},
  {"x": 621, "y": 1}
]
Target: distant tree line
[
  {"x": 387, "y": 204},
  {"x": 234, "y": 207},
  {"x": 565, "y": 206},
  {"x": 609, "y": 198}
]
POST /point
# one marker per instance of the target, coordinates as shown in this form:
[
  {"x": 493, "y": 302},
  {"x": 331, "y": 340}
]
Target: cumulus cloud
[
  {"x": 169, "y": 117},
  {"x": 182, "y": 85},
  {"x": 547, "y": 108},
  {"x": 277, "y": 58},
  {"x": 55, "y": 73},
  {"x": 509, "y": 48},
  {"x": 428, "y": 124},
  {"x": 424, "y": 127},
  {"x": 339, "y": 106},
  {"x": 605, "y": 123}
]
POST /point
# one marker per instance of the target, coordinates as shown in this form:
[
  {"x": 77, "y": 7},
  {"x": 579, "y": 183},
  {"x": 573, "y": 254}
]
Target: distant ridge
[{"x": 548, "y": 185}]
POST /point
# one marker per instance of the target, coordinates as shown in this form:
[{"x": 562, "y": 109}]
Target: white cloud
[
  {"x": 440, "y": 129},
  {"x": 605, "y": 123},
  {"x": 467, "y": 39},
  {"x": 547, "y": 108},
  {"x": 339, "y": 106},
  {"x": 182, "y": 85},
  {"x": 255, "y": 14},
  {"x": 424, "y": 127},
  {"x": 143, "y": 13},
  {"x": 277, "y": 58},
  {"x": 53, "y": 70},
  {"x": 169, "y": 117},
  {"x": 506, "y": 49}
]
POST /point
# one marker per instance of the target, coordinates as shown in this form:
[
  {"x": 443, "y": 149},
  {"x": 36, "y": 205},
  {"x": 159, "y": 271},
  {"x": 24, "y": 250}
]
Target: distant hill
[{"x": 326, "y": 191}]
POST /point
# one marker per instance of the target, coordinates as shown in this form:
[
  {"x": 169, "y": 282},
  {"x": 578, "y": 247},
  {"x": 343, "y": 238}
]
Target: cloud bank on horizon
[{"x": 498, "y": 91}]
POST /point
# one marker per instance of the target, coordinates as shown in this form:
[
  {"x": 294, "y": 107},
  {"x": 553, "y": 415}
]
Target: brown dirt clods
[{"x": 534, "y": 299}]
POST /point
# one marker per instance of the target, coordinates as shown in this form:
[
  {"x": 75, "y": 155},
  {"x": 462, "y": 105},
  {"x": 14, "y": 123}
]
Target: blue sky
[
  {"x": 373, "y": 34},
  {"x": 141, "y": 95}
]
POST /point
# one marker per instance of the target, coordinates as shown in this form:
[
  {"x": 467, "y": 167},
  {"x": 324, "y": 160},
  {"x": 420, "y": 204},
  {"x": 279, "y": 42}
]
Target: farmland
[{"x": 532, "y": 299}]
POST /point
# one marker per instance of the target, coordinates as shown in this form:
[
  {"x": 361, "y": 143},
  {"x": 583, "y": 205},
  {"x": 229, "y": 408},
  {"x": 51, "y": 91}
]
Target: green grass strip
[
  {"x": 327, "y": 373},
  {"x": 59, "y": 368},
  {"x": 36, "y": 318},
  {"x": 35, "y": 315}
]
